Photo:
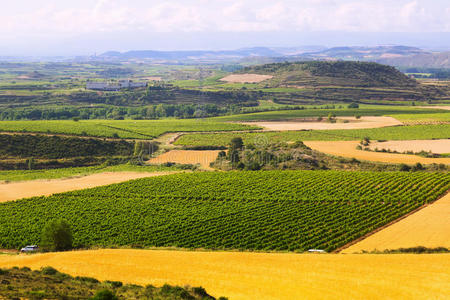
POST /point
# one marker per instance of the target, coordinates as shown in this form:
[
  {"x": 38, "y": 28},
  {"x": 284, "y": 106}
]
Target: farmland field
[
  {"x": 429, "y": 227},
  {"x": 268, "y": 276},
  {"x": 348, "y": 149},
  {"x": 415, "y": 132},
  {"x": 273, "y": 210},
  {"x": 203, "y": 158},
  {"x": 324, "y": 112},
  {"x": 423, "y": 118},
  {"x": 139, "y": 129}
]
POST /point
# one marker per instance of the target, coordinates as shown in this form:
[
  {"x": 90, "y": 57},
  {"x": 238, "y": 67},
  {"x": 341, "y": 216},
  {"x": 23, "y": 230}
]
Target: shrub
[
  {"x": 57, "y": 236},
  {"x": 353, "y": 105},
  {"x": 104, "y": 295},
  {"x": 404, "y": 167},
  {"x": 49, "y": 270}
]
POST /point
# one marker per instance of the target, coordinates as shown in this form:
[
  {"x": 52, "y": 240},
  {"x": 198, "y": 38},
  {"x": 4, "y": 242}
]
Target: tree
[
  {"x": 104, "y": 295},
  {"x": 353, "y": 105},
  {"x": 56, "y": 236},
  {"x": 236, "y": 144}
]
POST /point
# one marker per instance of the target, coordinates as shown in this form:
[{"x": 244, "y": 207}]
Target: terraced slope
[{"x": 271, "y": 210}]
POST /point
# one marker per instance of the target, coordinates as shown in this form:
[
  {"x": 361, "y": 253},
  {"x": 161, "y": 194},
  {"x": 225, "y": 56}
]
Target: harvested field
[
  {"x": 434, "y": 146},
  {"x": 353, "y": 123},
  {"x": 429, "y": 227},
  {"x": 246, "y": 78},
  {"x": 245, "y": 275},
  {"x": 202, "y": 157},
  {"x": 25, "y": 189},
  {"x": 438, "y": 107},
  {"x": 348, "y": 149}
]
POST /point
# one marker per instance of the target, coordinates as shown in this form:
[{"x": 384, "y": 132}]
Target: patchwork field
[
  {"x": 138, "y": 129},
  {"x": 244, "y": 275},
  {"x": 429, "y": 227},
  {"x": 348, "y": 149},
  {"x": 342, "y": 123},
  {"x": 26, "y": 189},
  {"x": 416, "y": 132},
  {"x": 203, "y": 158},
  {"x": 246, "y": 78},
  {"x": 434, "y": 146},
  {"x": 271, "y": 210}
]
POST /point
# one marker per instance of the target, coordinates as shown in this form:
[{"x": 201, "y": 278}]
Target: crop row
[{"x": 271, "y": 210}]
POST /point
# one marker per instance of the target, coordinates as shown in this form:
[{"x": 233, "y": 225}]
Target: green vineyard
[{"x": 271, "y": 210}]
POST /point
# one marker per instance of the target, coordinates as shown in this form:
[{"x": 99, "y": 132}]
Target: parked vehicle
[{"x": 30, "y": 248}]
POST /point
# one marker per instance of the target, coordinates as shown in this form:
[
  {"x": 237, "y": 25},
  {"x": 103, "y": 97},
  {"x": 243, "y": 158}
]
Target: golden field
[
  {"x": 348, "y": 149},
  {"x": 202, "y": 157},
  {"x": 246, "y": 275},
  {"x": 429, "y": 227},
  {"x": 32, "y": 188}
]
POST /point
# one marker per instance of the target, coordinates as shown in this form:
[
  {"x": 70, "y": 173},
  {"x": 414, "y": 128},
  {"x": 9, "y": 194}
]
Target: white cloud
[{"x": 227, "y": 15}]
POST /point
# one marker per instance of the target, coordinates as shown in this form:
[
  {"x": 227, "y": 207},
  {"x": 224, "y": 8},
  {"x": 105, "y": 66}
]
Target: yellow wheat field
[
  {"x": 429, "y": 227},
  {"x": 246, "y": 275},
  {"x": 348, "y": 149},
  {"x": 203, "y": 157},
  {"x": 32, "y": 188}
]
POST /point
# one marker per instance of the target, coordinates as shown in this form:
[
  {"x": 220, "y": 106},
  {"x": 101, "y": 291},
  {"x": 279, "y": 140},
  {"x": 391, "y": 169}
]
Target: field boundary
[{"x": 338, "y": 250}]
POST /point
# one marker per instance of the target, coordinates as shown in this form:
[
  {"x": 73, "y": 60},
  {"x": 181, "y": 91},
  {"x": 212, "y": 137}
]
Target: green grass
[
  {"x": 21, "y": 175},
  {"x": 140, "y": 129},
  {"x": 414, "y": 132},
  {"x": 366, "y": 110},
  {"x": 423, "y": 118},
  {"x": 265, "y": 210}
]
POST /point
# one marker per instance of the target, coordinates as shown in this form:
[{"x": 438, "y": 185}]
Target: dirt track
[
  {"x": 348, "y": 149},
  {"x": 429, "y": 227},
  {"x": 26, "y": 189},
  {"x": 245, "y": 78},
  {"x": 203, "y": 157},
  {"x": 247, "y": 275},
  {"x": 353, "y": 123},
  {"x": 435, "y": 146}
]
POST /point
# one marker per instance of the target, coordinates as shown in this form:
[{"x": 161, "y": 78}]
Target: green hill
[{"x": 365, "y": 82}]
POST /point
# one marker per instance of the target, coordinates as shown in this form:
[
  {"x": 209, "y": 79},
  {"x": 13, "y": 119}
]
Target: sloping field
[
  {"x": 247, "y": 275},
  {"x": 353, "y": 123},
  {"x": 429, "y": 227},
  {"x": 348, "y": 149},
  {"x": 203, "y": 157},
  {"x": 243, "y": 78},
  {"x": 25, "y": 189},
  {"x": 248, "y": 210},
  {"x": 434, "y": 146}
]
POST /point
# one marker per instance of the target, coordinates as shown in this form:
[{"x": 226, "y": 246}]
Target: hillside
[
  {"x": 347, "y": 81},
  {"x": 342, "y": 73}
]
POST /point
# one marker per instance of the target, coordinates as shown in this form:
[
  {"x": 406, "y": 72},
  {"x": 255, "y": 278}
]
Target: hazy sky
[{"x": 86, "y": 26}]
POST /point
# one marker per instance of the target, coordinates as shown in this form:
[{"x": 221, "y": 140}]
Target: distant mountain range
[{"x": 399, "y": 56}]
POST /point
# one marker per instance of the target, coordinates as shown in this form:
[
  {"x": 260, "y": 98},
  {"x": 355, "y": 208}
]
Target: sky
[{"x": 66, "y": 27}]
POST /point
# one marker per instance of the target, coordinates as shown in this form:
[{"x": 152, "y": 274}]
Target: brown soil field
[
  {"x": 438, "y": 107},
  {"x": 428, "y": 227},
  {"x": 26, "y": 189},
  {"x": 245, "y": 78},
  {"x": 246, "y": 275},
  {"x": 203, "y": 157},
  {"x": 348, "y": 149},
  {"x": 353, "y": 123},
  {"x": 435, "y": 146}
]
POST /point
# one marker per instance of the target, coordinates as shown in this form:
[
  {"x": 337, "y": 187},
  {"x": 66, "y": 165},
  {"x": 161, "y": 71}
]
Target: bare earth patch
[
  {"x": 438, "y": 107},
  {"x": 26, "y": 189},
  {"x": 348, "y": 149},
  {"x": 353, "y": 123},
  {"x": 245, "y": 78},
  {"x": 203, "y": 157},
  {"x": 435, "y": 146},
  {"x": 246, "y": 275},
  {"x": 429, "y": 227}
]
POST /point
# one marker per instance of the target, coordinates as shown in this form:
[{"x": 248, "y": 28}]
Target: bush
[
  {"x": 104, "y": 295},
  {"x": 353, "y": 105},
  {"x": 57, "y": 236},
  {"x": 49, "y": 271},
  {"x": 404, "y": 167}
]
